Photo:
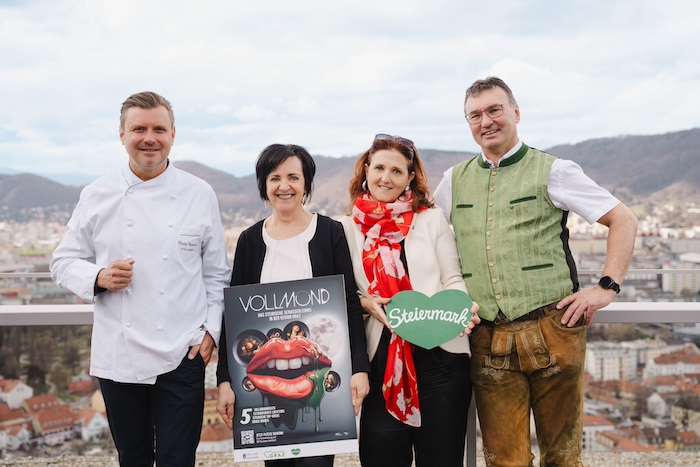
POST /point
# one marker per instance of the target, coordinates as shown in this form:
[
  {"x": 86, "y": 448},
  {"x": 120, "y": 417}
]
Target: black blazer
[{"x": 330, "y": 255}]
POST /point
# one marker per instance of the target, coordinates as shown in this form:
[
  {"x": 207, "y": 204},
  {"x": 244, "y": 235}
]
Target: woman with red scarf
[{"x": 418, "y": 398}]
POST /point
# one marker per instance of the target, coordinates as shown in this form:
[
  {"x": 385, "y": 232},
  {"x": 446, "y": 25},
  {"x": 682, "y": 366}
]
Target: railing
[{"x": 616, "y": 312}]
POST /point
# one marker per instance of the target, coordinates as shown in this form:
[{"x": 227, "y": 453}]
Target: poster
[{"x": 290, "y": 366}]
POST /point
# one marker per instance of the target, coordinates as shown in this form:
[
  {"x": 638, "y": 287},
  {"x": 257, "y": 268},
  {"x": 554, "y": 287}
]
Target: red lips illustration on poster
[{"x": 288, "y": 368}]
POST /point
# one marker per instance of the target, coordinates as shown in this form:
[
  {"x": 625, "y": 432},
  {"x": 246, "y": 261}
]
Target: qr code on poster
[{"x": 247, "y": 437}]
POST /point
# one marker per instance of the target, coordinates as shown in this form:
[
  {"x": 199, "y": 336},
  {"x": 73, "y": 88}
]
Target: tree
[
  {"x": 36, "y": 378},
  {"x": 59, "y": 377},
  {"x": 71, "y": 358}
]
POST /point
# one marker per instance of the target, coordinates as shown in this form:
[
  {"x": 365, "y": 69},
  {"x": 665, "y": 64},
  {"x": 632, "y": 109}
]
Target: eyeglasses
[
  {"x": 398, "y": 139},
  {"x": 476, "y": 116}
]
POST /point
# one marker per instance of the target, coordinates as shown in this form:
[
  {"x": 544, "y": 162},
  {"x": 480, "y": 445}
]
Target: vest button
[
  {"x": 488, "y": 247},
  {"x": 492, "y": 189},
  {"x": 490, "y": 264},
  {"x": 494, "y": 173},
  {"x": 498, "y": 297},
  {"x": 493, "y": 281}
]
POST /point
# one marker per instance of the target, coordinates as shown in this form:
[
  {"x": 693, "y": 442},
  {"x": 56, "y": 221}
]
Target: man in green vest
[{"x": 509, "y": 207}]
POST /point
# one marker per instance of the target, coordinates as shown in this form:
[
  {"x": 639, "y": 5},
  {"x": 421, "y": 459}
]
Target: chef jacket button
[
  {"x": 172, "y": 196},
  {"x": 162, "y": 291},
  {"x": 165, "y": 257},
  {"x": 128, "y": 325},
  {"x": 129, "y": 257},
  {"x": 159, "y": 327},
  {"x": 129, "y": 223}
]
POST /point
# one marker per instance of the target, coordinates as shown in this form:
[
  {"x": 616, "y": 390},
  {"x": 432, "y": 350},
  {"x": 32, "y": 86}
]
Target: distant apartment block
[
  {"x": 593, "y": 424},
  {"x": 610, "y": 361},
  {"x": 684, "y": 283},
  {"x": 685, "y": 361},
  {"x": 648, "y": 349}
]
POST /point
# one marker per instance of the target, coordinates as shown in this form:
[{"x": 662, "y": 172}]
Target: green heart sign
[
  {"x": 296, "y": 451},
  {"x": 429, "y": 321}
]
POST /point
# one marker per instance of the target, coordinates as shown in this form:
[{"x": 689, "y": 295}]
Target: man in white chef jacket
[{"x": 146, "y": 245}]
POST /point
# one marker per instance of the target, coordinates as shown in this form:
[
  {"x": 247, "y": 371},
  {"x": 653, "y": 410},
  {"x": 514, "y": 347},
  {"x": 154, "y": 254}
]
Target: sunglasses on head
[{"x": 398, "y": 139}]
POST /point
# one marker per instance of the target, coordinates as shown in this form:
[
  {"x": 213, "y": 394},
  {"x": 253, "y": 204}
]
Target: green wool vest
[{"x": 512, "y": 240}]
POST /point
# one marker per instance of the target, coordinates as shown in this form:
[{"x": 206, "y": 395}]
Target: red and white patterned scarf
[{"x": 384, "y": 226}]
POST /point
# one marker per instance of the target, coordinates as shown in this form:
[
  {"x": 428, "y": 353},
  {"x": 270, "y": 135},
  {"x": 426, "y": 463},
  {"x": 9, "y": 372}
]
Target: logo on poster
[
  {"x": 273, "y": 454},
  {"x": 273, "y": 301}
]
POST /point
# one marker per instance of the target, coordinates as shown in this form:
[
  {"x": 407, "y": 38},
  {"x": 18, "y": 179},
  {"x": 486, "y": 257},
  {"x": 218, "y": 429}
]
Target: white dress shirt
[
  {"x": 170, "y": 226},
  {"x": 569, "y": 189}
]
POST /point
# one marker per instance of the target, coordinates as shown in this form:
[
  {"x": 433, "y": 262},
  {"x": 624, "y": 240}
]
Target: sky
[{"x": 329, "y": 75}]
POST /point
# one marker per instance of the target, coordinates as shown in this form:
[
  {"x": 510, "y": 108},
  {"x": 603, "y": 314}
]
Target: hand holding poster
[
  {"x": 429, "y": 321},
  {"x": 290, "y": 368}
]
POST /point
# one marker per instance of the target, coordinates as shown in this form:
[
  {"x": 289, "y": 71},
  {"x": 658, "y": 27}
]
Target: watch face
[{"x": 607, "y": 282}]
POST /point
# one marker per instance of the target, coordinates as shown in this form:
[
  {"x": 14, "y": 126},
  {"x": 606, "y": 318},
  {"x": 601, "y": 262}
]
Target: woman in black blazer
[{"x": 293, "y": 243}]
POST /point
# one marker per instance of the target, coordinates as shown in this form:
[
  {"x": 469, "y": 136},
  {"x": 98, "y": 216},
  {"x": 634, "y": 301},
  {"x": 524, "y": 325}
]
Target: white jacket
[
  {"x": 433, "y": 265},
  {"x": 171, "y": 227}
]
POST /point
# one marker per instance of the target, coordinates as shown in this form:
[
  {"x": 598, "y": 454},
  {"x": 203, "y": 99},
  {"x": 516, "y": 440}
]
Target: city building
[
  {"x": 216, "y": 438},
  {"x": 593, "y": 424},
  {"x": 684, "y": 283},
  {"x": 680, "y": 362},
  {"x": 93, "y": 424},
  {"x": 54, "y": 425},
  {"x": 211, "y": 415},
  {"x": 610, "y": 361},
  {"x": 13, "y": 392}
]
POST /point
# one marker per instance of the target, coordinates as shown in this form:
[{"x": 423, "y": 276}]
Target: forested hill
[{"x": 638, "y": 169}]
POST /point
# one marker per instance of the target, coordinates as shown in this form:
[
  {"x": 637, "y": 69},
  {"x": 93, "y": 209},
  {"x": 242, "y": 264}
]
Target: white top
[
  {"x": 288, "y": 259},
  {"x": 569, "y": 189},
  {"x": 170, "y": 227}
]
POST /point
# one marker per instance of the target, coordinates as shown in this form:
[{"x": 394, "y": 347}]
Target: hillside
[
  {"x": 638, "y": 169},
  {"x": 659, "y": 167},
  {"x": 26, "y": 196}
]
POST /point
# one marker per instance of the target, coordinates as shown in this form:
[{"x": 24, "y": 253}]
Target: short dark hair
[
  {"x": 491, "y": 82},
  {"x": 273, "y": 155},
  {"x": 146, "y": 100}
]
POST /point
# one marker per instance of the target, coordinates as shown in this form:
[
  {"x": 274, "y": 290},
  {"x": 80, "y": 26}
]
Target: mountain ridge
[{"x": 637, "y": 169}]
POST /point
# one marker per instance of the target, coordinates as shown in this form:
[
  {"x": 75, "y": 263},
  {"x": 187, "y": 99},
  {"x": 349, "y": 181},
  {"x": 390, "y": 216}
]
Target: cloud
[{"x": 242, "y": 75}]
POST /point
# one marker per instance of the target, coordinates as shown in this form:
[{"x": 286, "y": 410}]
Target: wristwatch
[{"x": 607, "y": 282}]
